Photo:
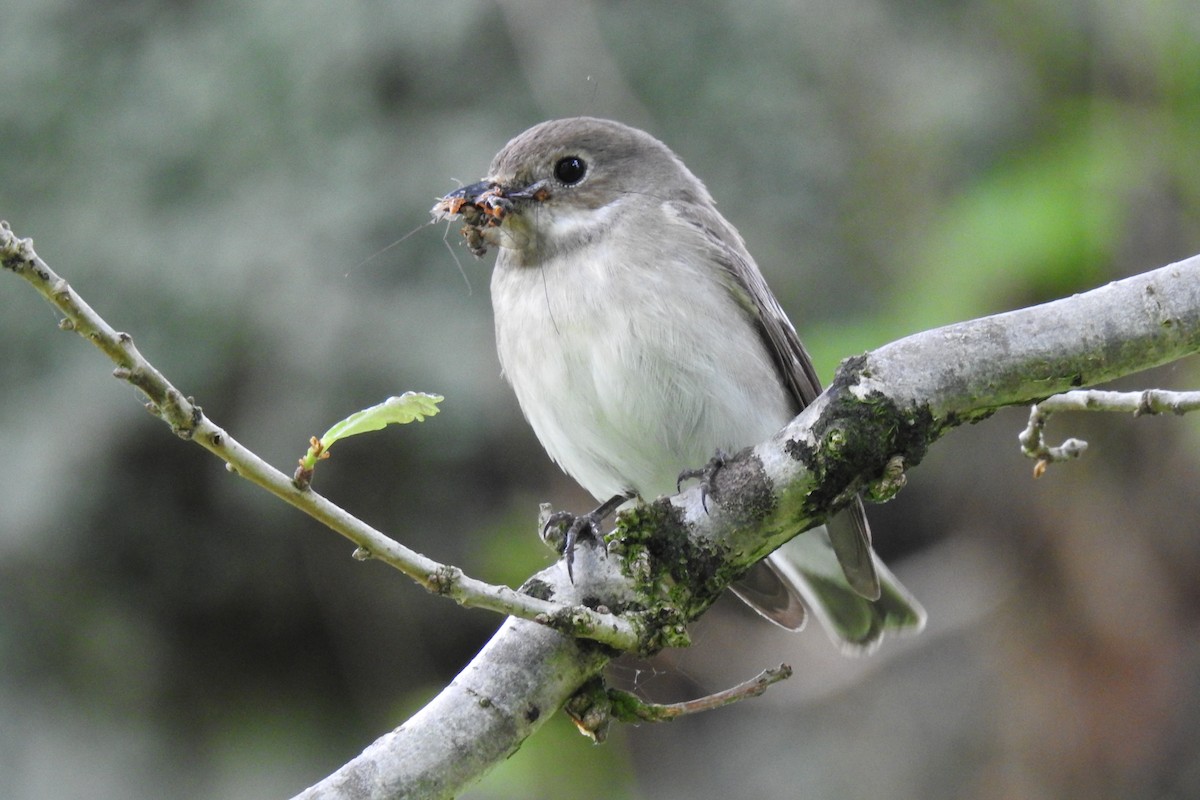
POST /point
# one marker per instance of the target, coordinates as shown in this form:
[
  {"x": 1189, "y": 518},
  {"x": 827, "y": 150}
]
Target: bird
[{"x": 641, "y": 340}]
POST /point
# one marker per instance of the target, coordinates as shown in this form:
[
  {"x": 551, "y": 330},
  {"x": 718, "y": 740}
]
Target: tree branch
[
  {"x": 188, "y": 421},
  {"x": 668, "y": 560},
  {"x": 1149, "y": 402},
  {"x": 595, "y": 706},
  {"x": 888, "y": 406},
  {"x": 883, "y": 408}
]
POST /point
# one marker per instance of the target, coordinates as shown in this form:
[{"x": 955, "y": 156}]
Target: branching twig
[
  {"x": 188, "y": 421},
  {"x": 1033, "y": 443},
  {"x": 595, "y": 706},
  {"x": 628, "y": 708},
  {"x": 1150, "y": 401}
]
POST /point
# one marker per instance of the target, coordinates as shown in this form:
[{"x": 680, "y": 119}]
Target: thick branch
[
  {"x": 515, "y": 683},
  {"x": 884, "y": 408},
  {"x": 891, "y": 404},
  {"x": 967, "y": 370}
]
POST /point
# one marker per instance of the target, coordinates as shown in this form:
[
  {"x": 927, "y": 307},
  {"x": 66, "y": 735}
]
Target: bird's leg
[
  {"x": 579, "y": 525},
  {"x": 704, "y": 475}
]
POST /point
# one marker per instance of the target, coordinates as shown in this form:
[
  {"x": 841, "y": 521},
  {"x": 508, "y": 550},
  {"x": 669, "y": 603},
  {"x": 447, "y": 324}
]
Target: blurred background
[{"x": 232, "y": 183}]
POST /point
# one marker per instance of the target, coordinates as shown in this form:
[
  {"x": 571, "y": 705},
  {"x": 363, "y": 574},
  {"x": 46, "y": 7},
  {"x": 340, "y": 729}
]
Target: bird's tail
[{"x": 804, "y": 573}]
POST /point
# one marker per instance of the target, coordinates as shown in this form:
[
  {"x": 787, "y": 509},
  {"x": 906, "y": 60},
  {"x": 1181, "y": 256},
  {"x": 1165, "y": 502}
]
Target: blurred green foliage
[{"x": 226, "y": 181}]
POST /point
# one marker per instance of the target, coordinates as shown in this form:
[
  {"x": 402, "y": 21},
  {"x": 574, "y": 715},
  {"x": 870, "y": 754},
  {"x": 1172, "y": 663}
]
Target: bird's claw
[
  {"x": 572, "y": 527},
  {"x": 576, "y": 526},
  {"x": 704, "y": 475}
]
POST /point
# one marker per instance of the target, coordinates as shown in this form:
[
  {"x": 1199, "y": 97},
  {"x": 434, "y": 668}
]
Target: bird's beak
[
  {"x": 482, "y": 203},
  {"x": 484, "y": 206},
  {"x": 473, "y": 193},
  {"x": 489, "y": 199}
]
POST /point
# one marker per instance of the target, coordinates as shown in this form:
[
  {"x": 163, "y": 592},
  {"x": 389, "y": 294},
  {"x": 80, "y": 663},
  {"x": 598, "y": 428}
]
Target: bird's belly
[{"x": 623, "y": 392}]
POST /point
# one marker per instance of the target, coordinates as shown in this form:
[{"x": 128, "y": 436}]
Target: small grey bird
[{"x": 641, "y": 339}]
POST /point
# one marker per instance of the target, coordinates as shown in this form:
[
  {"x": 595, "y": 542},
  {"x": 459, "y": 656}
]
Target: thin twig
[
  {"x": 595, "y": 706},
  {"x": 188, "y": 421},
  {"x": 1148, "y": 402},
  {"x": 628, "y": 708}
]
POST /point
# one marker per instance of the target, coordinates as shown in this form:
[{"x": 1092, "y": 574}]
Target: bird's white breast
[{"x": 632, "y": 361}]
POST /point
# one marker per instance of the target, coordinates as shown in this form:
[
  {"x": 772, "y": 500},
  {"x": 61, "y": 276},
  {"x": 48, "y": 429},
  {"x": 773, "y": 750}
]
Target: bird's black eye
[{"x": 570, "y": 170}]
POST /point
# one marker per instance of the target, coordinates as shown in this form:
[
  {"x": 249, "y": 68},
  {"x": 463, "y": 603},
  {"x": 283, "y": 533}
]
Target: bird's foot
[
  {"x": 562, "y": 529},
  {"x": 704, "y": 475}
]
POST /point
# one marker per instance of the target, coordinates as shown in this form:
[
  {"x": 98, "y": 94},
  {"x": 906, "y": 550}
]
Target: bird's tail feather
[{"x": 805, "y": 573}]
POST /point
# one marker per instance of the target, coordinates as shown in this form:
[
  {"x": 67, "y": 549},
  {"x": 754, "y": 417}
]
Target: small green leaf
[
  {"x": 407, "y": 407},
  {"x": 393, "y": 411}
]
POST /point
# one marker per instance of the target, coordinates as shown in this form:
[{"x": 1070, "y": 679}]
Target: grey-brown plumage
[{"x": 641, "y": 338}]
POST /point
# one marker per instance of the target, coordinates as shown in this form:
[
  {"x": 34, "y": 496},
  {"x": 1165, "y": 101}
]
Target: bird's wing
[{"x": 848, "y": 530}]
